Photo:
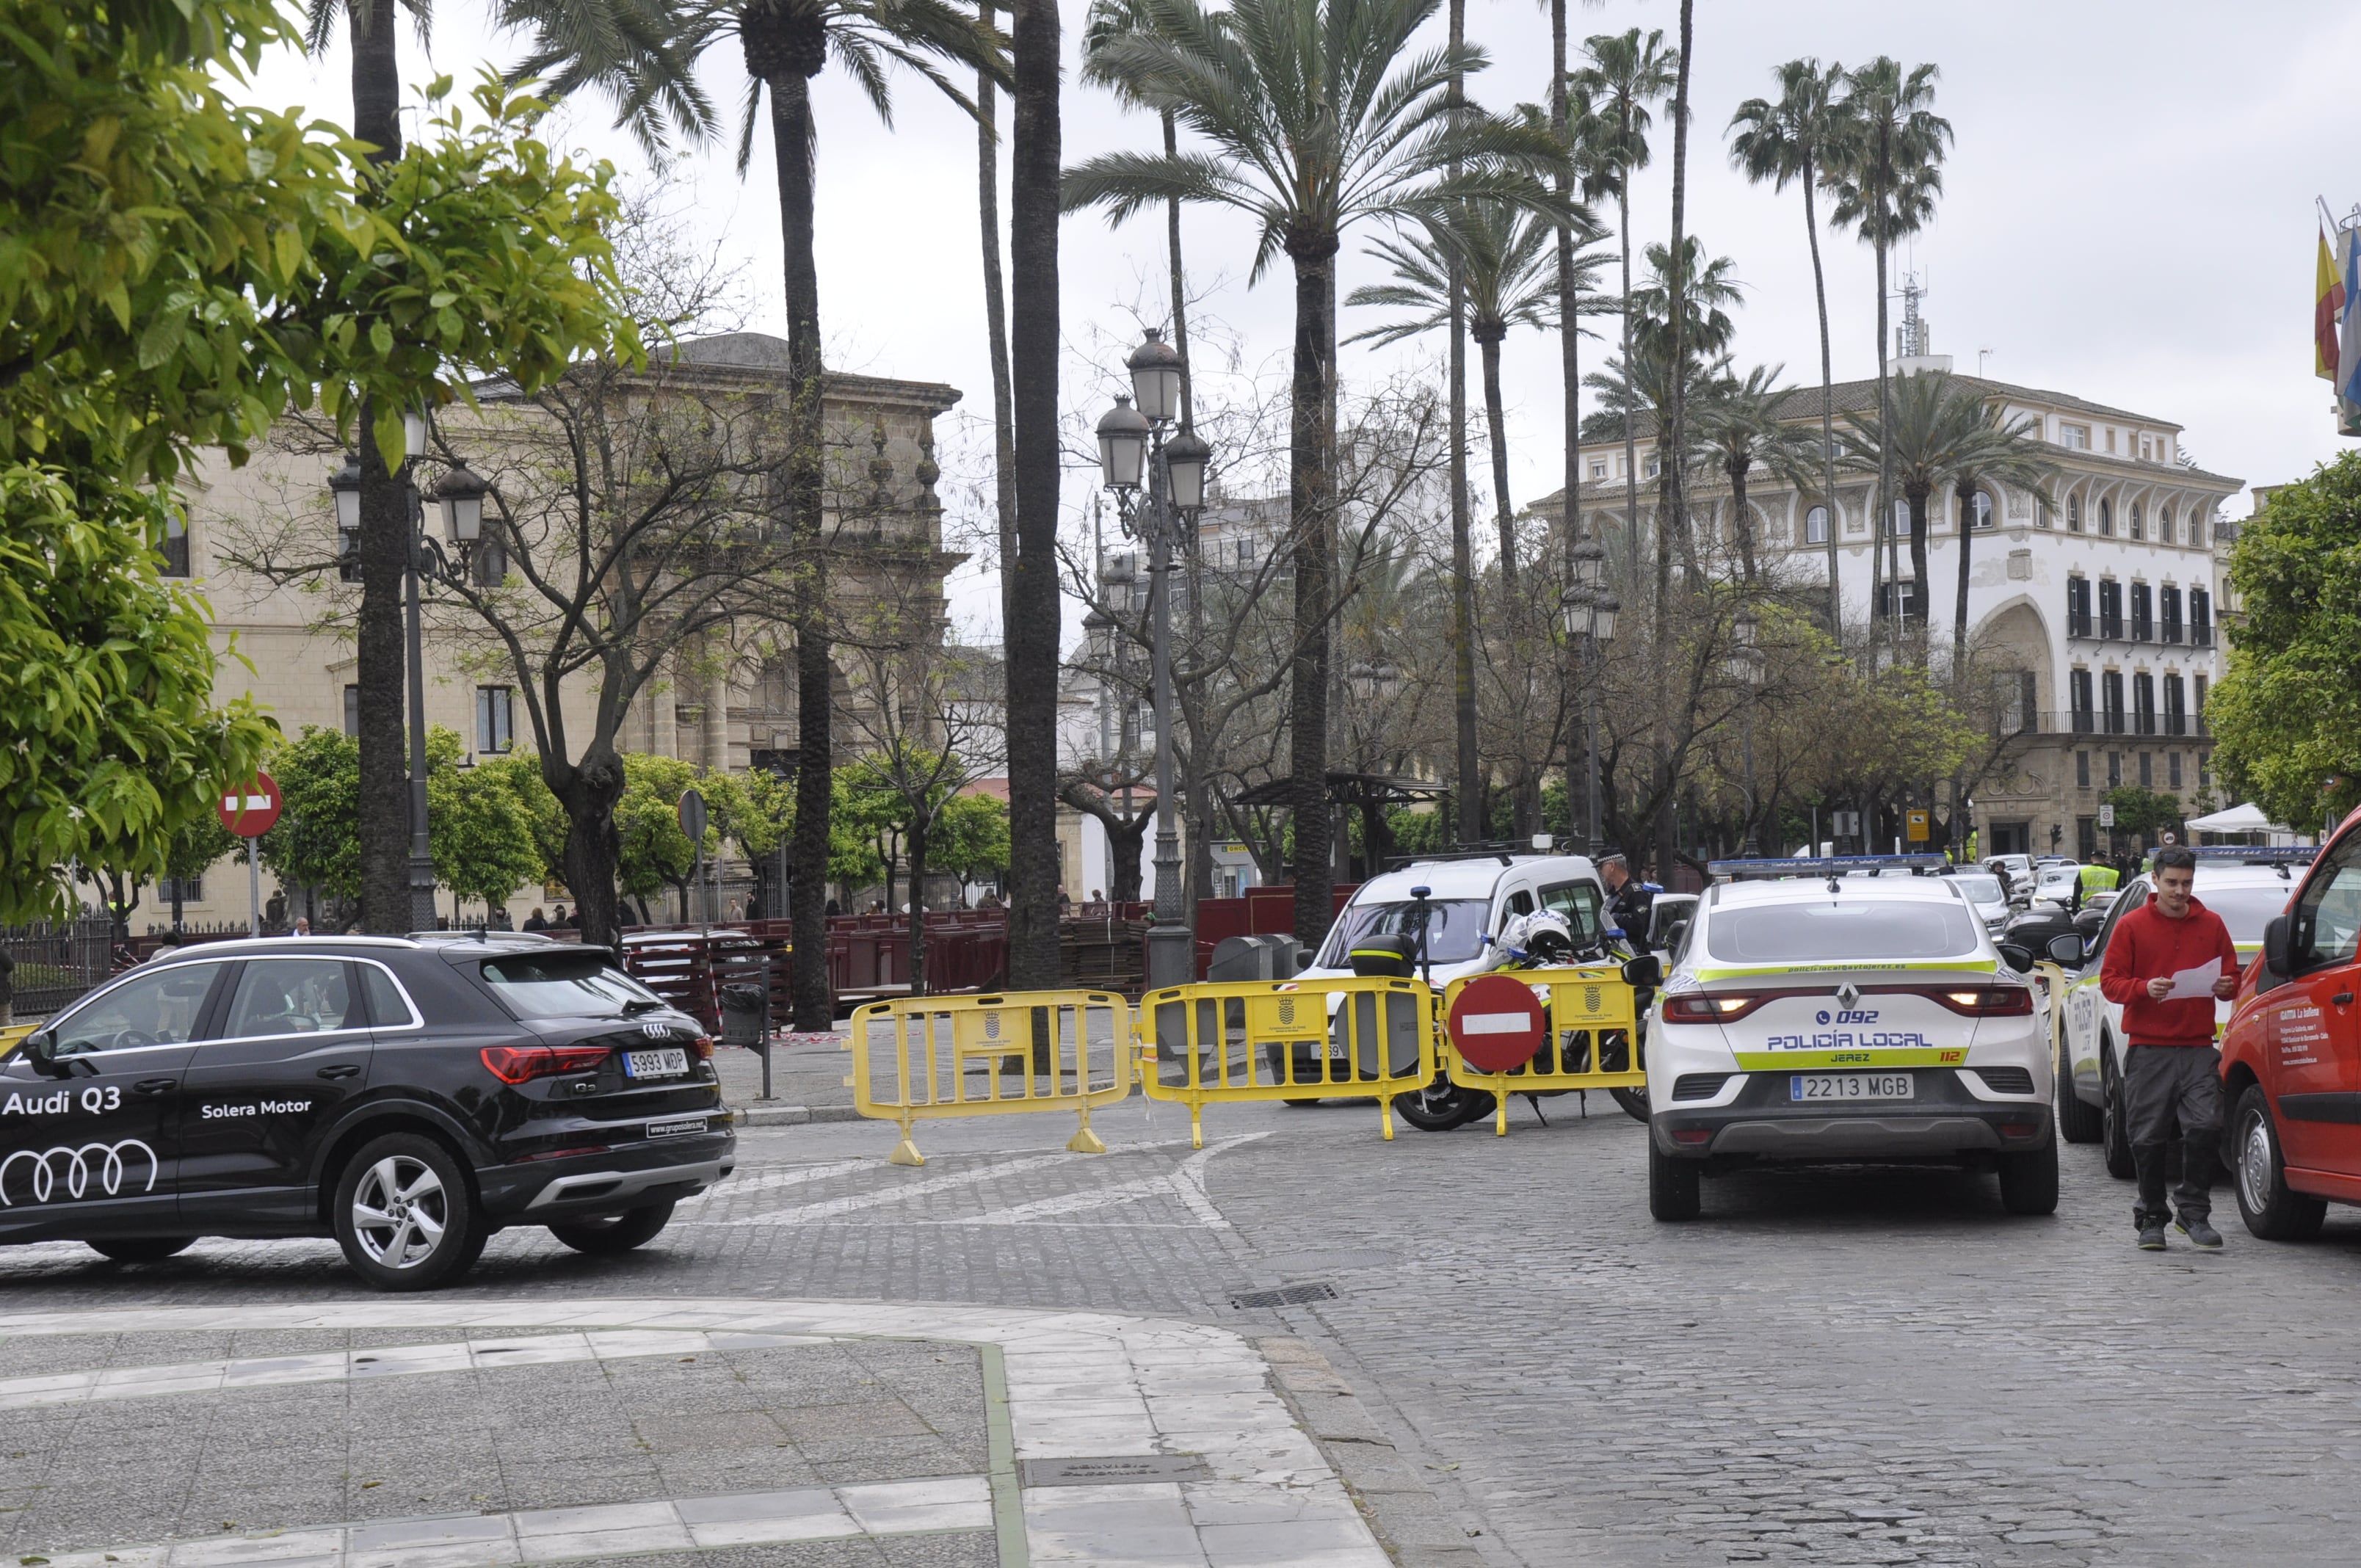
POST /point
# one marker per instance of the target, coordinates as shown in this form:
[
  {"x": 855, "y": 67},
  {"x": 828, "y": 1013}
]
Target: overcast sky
[{"x": 2128, "y": 212}]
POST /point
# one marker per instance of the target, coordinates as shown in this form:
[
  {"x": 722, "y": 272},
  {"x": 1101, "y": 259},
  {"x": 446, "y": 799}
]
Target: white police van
[{"x": 1812, "y": 1016}]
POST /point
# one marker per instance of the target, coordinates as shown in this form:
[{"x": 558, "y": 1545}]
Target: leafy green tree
[
  {"x": 316, "y": 841},
  {"x": 653, "y": 853},
  {"x": 1319, "y": 117},
  {"x": 2287, "y": 713},
  {"x": 2142, "y": 813},
  {"x": 520, "y": 773},
  {"x": 478, "y": 830},
  {"x": 972, "y": 837}
]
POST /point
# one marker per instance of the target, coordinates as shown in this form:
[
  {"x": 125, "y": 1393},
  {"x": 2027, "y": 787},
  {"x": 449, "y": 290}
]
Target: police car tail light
[
  {"x": 521, "y": 1064},
  {"x": 1714, "y": 1007},
  {"x": 1986, "y": 1000}
]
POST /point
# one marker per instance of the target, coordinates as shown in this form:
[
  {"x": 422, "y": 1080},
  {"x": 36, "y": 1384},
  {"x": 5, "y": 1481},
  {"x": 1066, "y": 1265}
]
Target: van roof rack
[
  {"x": 1504, "y": 850},
  {"x": 1825, "y": 866}
]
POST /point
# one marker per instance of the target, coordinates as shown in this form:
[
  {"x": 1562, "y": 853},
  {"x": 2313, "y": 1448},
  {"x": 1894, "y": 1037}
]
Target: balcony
[{"x": 2088, "y": 721}]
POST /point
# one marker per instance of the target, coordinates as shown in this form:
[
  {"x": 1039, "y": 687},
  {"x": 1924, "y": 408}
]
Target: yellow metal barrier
[
  {"x": 1205, "y": 1044},
  {"x": 1592, "y": 1043},
  {"x": 14, "y": 1034},
  {"x": 1032, "y": 1051}
]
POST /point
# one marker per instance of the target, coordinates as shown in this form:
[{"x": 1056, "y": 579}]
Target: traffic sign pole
[
  {"x": 250, "y": 810},
  {"x": 254, "y": 888}
]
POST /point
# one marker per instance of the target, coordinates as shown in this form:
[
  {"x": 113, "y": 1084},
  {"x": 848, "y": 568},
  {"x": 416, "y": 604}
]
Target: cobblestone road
[{"x": 1836, "y": 1367}]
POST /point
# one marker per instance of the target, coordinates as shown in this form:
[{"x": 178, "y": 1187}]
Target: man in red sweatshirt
[{"x": 2171, "y": 1067}]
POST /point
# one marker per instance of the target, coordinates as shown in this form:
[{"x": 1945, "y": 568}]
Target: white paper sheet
[{"x": 2194, "y": 982}]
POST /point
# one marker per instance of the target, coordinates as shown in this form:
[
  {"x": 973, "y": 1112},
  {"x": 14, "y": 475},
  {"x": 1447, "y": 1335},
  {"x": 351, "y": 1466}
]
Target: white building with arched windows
[{"x": 2102, "y": 607}]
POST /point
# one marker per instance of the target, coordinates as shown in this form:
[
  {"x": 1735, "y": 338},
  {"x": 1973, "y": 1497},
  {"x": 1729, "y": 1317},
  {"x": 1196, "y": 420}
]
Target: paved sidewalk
[
  {"x": 807, "y": 1074},
  {"x": 451, "y": 1434}
]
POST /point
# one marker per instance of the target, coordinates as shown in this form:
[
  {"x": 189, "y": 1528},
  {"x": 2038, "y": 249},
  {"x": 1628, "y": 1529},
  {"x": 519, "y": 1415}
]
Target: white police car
[
  {"x": 2247, "y": 887},
  {"x": 1817, "y": 1017}
]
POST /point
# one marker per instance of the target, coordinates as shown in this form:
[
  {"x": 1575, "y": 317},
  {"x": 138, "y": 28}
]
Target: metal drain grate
[{"x": 1285, "y": 1296}]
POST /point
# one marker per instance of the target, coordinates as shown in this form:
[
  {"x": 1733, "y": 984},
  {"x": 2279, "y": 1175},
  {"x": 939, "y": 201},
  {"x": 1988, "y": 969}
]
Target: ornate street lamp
[{"x": 1132, "y": 448}]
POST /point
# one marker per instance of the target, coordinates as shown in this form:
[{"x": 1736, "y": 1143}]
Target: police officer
[
  {"x": 1629, "y": 905},
  {"x": 2095, "y": 877}
]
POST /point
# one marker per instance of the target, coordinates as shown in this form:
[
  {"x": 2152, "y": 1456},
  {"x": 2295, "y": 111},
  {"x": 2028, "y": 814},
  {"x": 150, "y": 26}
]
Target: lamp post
[
  {"x": 1589, "y": 610},
  {"x": 1133, "y": 447},
  {"x": 460, "y": 498},
  {"x": 1746, "y": 664}
]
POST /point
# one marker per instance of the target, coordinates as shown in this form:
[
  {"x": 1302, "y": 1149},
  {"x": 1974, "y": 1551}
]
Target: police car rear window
[
  {"x": 562, "y": 985},
  {"x": 2245, "y": 910},
  {"x": 1857, "y": 930}
]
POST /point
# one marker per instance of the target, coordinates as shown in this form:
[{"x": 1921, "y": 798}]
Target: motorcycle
[{"x": 1542, "y": 940}]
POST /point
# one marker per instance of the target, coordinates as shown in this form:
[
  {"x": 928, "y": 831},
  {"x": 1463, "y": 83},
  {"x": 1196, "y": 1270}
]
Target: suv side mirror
[
  {"x": 2066, "y": 949},
  {"x": 1643, "y": 972},
  {"x": 40, "y": 1048},
  {"x": 2277, "y": 942}
]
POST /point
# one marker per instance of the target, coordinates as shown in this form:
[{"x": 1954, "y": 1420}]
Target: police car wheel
[
  {"x": 405, "y": 1215},
  {"x": 2079, "y": 1121},
  {"x": 1672, "y": 1186},
  {"x": 609, "y": 1234},
  {"x": 2028, "y": 1181},
  {"x": 2116, "y": 1138},
  {"x": 139, "y": 1249}
]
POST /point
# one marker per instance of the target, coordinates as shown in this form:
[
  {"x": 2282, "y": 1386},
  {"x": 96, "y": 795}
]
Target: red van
[{"x": 2291, "y": 1055}]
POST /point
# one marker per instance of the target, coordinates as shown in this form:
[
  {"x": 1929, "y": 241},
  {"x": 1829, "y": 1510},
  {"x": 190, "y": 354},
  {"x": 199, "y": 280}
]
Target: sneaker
[
  {"x": 2201, "y": 1233},
  {"x": 2151, "y": 1236}
]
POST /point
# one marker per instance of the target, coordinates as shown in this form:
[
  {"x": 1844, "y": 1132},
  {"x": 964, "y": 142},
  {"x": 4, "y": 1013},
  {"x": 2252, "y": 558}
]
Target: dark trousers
[{"x": 2163, "y": 1084}]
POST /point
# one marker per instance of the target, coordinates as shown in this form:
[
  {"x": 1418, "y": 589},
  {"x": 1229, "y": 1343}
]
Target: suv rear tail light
[
  {"x": 521, "y": 1064},
  {"x": 1711, "y": 1007},
  {"x": 702, "y": 1048},
  {"x": 1985, "y": 1001}
]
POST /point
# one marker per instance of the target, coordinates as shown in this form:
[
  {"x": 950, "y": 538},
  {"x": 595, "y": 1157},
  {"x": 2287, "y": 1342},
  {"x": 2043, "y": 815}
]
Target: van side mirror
[
  {"x": 2277, "y": 942},
  {"x": 2066, "y": 949},
  {"x": 1645, "y": 972}
]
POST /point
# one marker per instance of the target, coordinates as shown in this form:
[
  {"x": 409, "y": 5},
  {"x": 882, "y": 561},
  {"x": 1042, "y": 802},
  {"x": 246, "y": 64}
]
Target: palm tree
[
  {"x": 1107, "y": 20},
  {"x": 785, "y": 44},
  {"x": 1510, "y": 279},
  {"x": 1738, "y": 430},
  {"x": 995, "y": 322},
  {"x": 2009, "y": 452},
  {"x": 1884, "y": 166},
  {"x": 658, "y": 87},
  {"x": 1788, "y": 140},
  {"x": 1626, "y": 73},
  {"x": 1936, "y": 430},
  {"x": 1317, "y": 121}
]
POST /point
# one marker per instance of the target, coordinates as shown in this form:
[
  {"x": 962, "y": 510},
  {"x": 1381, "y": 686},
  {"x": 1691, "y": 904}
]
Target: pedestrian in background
[{"x": 2171, "y": 1068}]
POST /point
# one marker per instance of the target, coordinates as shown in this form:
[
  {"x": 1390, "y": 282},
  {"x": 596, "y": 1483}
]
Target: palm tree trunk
[
  {"x": 1488, "y": 343},
  {"x": 995, "y": 321},
  {"x": 1917, "y": 498},
  {"x": 1741, "y": 520},
  {"x": 1963, "y": 496},
  {"x": 1180, "y": 291},
  {"x": 1569, "y": 341},
  {"x": 1882, "y": 528},
  {"x": 1673, "y": 440},
  {"x": 795, "y": 143},
  {"x": 1312, "y": 484},
  {"x": 379, "y": 650},
  {"x": 918, "y": 923},
  {"x": 1827, "y": 411},
  {"x": 1630, "y": 393},
  {"x": 1032, "y": 637},
  {"x": 1469, "y": 776}
]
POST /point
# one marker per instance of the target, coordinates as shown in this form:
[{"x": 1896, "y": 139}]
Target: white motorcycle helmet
[{"x": 1542, "y": 938}]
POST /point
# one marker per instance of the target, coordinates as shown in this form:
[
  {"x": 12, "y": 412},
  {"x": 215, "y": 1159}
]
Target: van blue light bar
[
  {"x": 2258, "y": 855},
  {"x": 1831, "y": 865}
]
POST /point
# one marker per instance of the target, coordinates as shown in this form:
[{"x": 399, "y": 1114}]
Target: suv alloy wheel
[{"x": 406, "y": 1214}]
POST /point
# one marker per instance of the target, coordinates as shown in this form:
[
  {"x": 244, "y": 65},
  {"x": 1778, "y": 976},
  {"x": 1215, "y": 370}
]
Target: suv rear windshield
[
  {"x": 1454, "y": 928},
  {"x": 562, "y": 985},
  {"x": 1855, "y": 930}
]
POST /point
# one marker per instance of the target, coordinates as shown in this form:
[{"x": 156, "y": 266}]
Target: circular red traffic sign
[
  {"x": 251, "y": 809},
  {"x": 1496, "y": 1023}
]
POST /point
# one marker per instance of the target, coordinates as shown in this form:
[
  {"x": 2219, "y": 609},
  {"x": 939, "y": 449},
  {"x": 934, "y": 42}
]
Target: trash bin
[{"x": 745, "y": 1014}]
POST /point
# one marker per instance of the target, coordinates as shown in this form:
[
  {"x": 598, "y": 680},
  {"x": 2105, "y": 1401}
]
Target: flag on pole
[
  {"x": 2348, "y": 342},
  {"x": 2327, "y": 312}
]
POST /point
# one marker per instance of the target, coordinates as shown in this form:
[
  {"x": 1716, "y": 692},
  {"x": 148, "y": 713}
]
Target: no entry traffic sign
[
  {"x": 252, "y": 809},
  {"x": 1496, "y": 1023}
]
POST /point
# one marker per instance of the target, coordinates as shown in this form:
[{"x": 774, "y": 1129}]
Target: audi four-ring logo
[{"x": 75, "y": 1166}]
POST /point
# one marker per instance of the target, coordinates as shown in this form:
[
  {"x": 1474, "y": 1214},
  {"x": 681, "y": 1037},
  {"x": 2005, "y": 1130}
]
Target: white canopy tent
[{"x": 2246, "y": 824}]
